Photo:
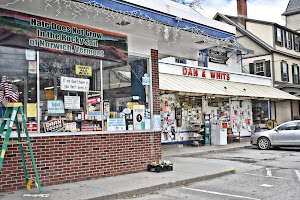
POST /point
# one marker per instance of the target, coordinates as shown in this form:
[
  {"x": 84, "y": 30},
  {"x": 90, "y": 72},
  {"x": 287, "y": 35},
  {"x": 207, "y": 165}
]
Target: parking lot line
[
  {"x": 298, "y": 174},
  {"x": 219, "y": 193},
  {"x": 269, "y": 172},
  {"x": 276, "y": 177}
]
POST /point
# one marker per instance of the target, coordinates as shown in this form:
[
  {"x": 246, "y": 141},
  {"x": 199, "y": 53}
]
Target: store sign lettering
[
  {"x": 187, "y": 71},
  {"x": 40, "y": 33}
]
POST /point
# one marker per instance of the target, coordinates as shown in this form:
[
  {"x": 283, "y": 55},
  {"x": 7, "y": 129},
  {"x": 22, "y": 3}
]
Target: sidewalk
[{"x": 186, "y": 170}]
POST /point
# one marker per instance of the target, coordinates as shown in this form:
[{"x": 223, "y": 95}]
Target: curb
[
  {"x": 153, "y": 188},
  {"x": 208, "y": 151}
]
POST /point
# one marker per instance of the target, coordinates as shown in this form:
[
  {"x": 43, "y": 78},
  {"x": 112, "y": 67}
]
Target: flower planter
[{"x": 159, "y": 168}]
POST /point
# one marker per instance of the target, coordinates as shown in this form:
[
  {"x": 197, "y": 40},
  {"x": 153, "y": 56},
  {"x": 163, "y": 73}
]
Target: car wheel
[{"x": 264, "y": 143}]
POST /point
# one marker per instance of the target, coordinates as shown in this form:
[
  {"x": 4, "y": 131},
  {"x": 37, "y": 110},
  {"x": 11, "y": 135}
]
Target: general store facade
[{"x": 87, "y": 75}]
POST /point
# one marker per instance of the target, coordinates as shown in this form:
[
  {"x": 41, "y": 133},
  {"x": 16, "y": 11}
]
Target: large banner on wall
[{"x": 32, "y": 32}]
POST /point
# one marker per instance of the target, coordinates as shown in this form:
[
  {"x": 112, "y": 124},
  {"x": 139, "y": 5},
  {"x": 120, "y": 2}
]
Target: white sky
[{"x": 267, "y": 10}]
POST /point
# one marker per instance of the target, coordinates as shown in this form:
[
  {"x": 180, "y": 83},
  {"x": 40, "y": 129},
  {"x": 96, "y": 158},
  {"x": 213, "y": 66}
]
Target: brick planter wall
[{"x": 64, "y": 159}]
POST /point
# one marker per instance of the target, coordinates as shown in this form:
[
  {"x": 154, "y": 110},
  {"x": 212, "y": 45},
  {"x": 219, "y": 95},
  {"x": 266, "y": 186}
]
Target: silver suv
[{"x": 284, "y": 135}]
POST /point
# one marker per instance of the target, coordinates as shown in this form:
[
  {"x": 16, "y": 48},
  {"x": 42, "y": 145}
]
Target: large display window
[{"x": 68, "y": 93}]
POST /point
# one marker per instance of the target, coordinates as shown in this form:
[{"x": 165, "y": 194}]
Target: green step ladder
[{"x": 11, "y": 116}]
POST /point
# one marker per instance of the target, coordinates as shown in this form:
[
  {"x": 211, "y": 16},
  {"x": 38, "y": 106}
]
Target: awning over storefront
[{"x": 196, "y": 85}]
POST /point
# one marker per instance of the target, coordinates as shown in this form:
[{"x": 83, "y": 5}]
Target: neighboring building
[
  {"x": 292, "y": 15},
  {"x": 276, "y": 55}
]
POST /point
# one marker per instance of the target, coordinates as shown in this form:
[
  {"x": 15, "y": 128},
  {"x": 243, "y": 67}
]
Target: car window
[{"x": 290, "y": 126}]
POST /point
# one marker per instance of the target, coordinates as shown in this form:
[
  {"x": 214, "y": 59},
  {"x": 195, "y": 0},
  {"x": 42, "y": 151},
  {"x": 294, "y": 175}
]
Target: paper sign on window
[{"x": 83, "y": 70}]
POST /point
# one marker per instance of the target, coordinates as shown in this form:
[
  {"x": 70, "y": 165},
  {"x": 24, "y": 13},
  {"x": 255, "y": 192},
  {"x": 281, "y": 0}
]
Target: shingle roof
[{"x": 292, "y": 7}]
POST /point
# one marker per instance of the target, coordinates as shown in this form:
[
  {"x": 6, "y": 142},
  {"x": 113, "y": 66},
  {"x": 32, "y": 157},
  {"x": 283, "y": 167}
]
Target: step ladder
[{"x": 10, "y": 116}]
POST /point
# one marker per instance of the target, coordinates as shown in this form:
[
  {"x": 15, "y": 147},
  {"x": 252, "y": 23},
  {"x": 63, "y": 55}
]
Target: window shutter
[
  {"x": 268, "y": 68},
  {"x": 292, "y": 39},
  {"x": 276, "y": 42},
  {"x": 293, "y": 73},
  {"x": 281, "y": 71},
  {"x": 281, "y": 37},
  {"x": 251, "y": 68},
  {"x": 287, "y": 72},
  {"x": 298, "y": 73},
  {"x": 294, "y": 42},
  {"x": 285, "y": 38}
]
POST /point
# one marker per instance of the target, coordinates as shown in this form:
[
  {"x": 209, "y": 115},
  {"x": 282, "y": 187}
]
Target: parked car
[{"x": 284, "y": 135}]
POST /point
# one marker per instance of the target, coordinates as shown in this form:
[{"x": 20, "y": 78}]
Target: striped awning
[{"x": 185, "y": 84}]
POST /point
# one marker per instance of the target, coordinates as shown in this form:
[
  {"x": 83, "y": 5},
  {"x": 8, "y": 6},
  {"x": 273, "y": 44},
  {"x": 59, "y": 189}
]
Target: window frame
[
  {"x": 296, "y": 42},
  {"x": 288, "y": 39},
  {"x": 295, "y": 76}
]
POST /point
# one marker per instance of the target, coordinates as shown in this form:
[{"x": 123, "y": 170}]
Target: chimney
[{"x": 242, "y": 11}]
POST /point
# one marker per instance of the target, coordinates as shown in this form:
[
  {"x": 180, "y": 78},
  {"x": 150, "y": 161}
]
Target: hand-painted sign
[
  {"x": 45, "y": 34},
  {"x": 74, "y": 84},
  {"x": 53, "y": 125},
  {"x": 56, "y": 106},
  {"x": 83, "y": 70}
]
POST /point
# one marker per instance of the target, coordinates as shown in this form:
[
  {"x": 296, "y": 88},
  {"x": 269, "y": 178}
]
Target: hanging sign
[
  {"x": 93, "y": 103},
  {"x": 53, "y": 125},
  {"x": 74, "y": 84},
  {"x": 138, "y": 117},
  {"x": 72, "y": 102},
  {"x": 83, "y": 70},
  {"x": 44, "y": 34},
  {"x": 56, "y": 106},
  {"x": 117, "y": 124}
]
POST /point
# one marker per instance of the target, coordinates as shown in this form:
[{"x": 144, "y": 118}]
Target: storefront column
[
  {"x": 292, "y": 112},
  {"x": 229, "y": 101},
  {"x": 155, "y": 82}
]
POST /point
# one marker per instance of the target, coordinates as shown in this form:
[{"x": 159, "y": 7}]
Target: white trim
[{"x": 54, "y": 134}]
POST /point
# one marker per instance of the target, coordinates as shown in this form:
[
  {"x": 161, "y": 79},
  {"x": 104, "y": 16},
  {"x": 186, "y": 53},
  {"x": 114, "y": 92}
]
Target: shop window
[
  {"x": 66, "y": 85},
  {"x": 284, "y": 72},
  {"x": 125, "y": 96},
  {"x": 18, "y": 76},
  {"x": 260, "y": 113},
  {"x": 296, "y": 42},
  {"x": 279, "y": 37},
  {"x": 295, "y": 71},
  {"x": 288, "y": 40}
]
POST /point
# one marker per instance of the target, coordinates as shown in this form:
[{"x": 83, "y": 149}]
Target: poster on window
[
  {"x": 71, "y": 127},
  {"x": 55, "y": 107},
  {"x": 117, "y": 124},
  {"x": 72, "y": 102},
  {"x": 53, "y": 125},
  {"x": 93, "y": 103},
  {"x": 44, "y": 34},
  {"x": 74, "y": 84},
  {"x": 138, "y": 117}
]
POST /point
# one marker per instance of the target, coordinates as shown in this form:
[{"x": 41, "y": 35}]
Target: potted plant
[{"x": 160, "y": 166}]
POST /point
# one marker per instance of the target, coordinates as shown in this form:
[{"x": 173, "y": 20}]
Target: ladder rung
[{"x": 16, "y": 142}]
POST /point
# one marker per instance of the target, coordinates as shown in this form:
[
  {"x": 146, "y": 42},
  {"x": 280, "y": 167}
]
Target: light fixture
[
  {"x": 49, "y": 88},
  {"x": 225, "y": 87},
  {"x": 244, "y": 89}
]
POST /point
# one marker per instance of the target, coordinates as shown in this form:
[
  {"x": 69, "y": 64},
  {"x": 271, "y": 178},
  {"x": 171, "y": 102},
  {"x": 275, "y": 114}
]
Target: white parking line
[
  {"x": 265, "y": 176},
  {"x": 218, "y": 193},
  {"x": 298, "y": 174},
  {"x": 269, "y": 172}
]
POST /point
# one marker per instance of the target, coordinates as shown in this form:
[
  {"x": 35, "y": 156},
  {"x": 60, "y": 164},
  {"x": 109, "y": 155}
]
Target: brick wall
[
  {"x": 155, "y": 82},
  {"x": 64, "y": 159}
]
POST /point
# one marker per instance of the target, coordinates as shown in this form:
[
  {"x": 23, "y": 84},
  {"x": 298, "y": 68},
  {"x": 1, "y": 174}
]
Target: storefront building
[
  {"x": 190, "y": 94},
  {"x": 87, "y": 75}
]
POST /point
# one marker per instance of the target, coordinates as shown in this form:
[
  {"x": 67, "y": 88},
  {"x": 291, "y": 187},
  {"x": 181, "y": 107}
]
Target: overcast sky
[{"x": 267, "y": 10}]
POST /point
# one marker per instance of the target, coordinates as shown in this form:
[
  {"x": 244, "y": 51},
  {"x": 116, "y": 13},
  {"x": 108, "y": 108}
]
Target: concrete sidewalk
[{"x": 186, "y": 170}]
